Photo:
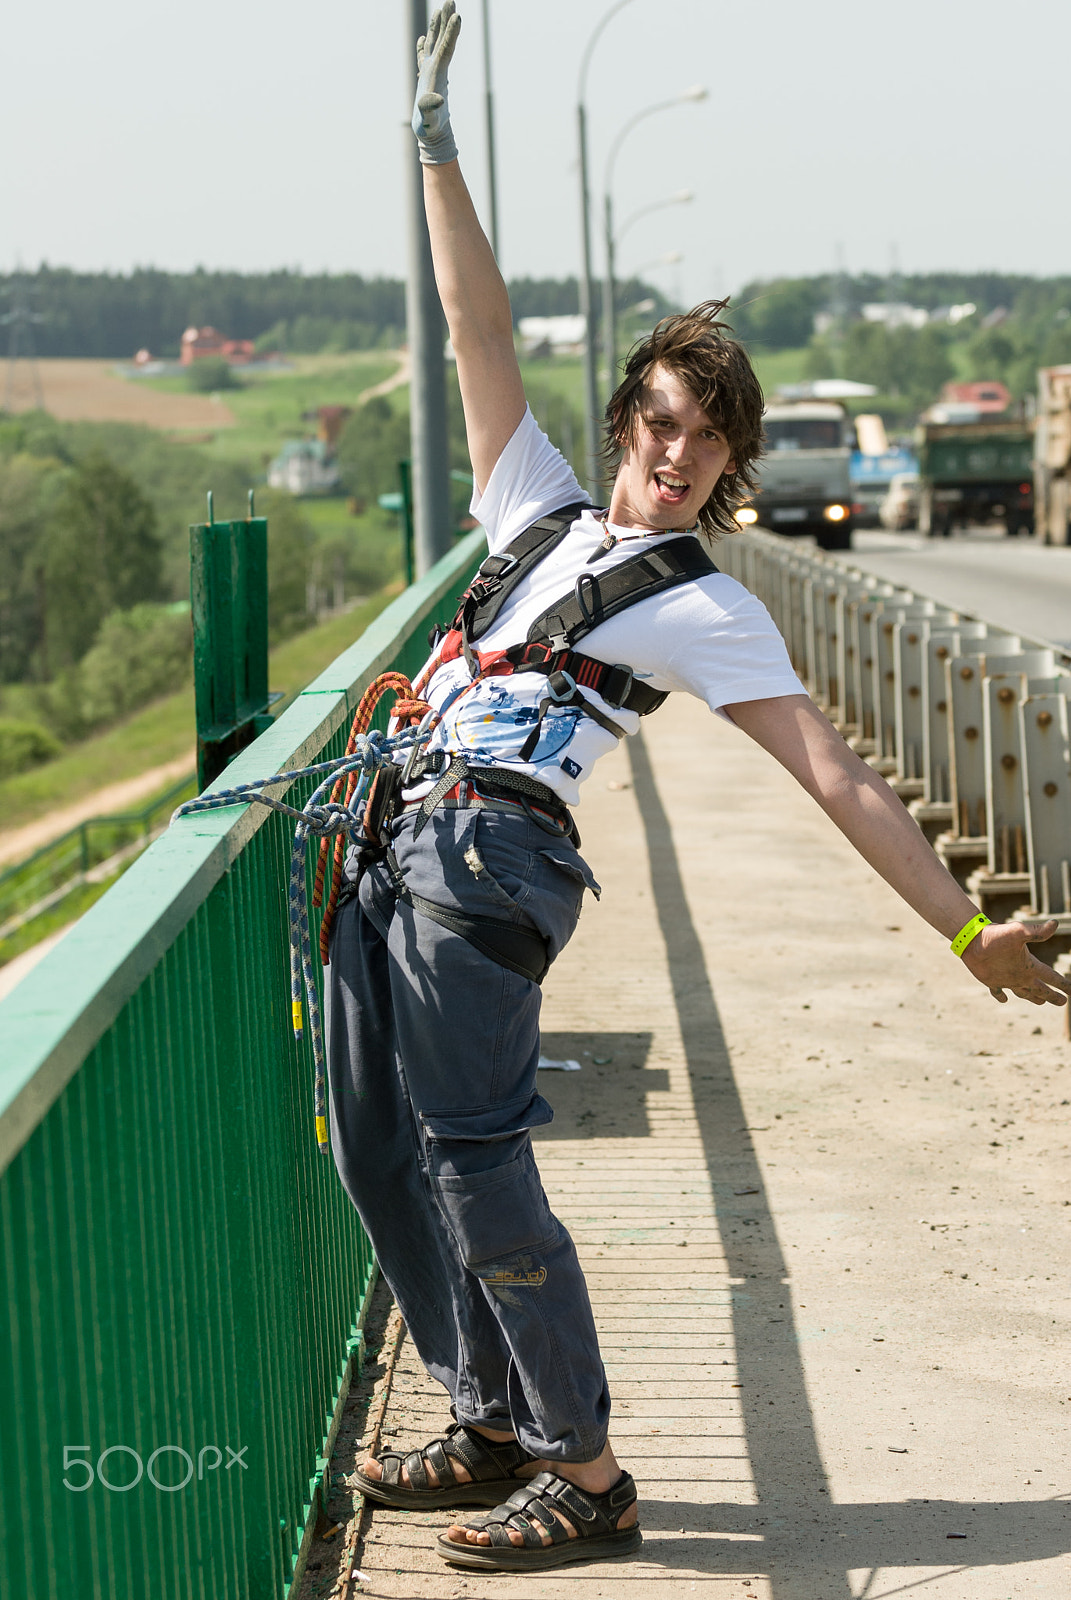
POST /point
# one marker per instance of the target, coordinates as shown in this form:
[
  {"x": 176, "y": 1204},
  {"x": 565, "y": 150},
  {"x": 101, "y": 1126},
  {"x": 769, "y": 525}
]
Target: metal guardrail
[
  {"x": 184, "y": 1275},
  {"x": 969, "y": 722}
]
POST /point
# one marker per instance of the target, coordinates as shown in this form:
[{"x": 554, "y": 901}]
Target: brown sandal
[{"x": 492, "y": 1468}]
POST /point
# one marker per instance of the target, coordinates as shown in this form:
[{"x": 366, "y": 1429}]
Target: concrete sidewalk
[{"x": 819, "y": 1182}]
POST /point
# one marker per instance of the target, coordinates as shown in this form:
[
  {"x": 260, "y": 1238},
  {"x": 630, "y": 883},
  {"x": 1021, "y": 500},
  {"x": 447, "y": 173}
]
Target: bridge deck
[{"x": 817, "y": 1180}]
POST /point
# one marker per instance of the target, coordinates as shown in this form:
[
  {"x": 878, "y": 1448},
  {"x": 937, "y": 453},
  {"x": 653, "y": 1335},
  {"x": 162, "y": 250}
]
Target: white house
[
  {"x": 559, "y": 336},
  {"x": 304, "y": 466}
]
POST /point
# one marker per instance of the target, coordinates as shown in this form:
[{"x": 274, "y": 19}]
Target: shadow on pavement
[
  {"x": 808, "y": 1545},
  {"x": 607, "y": 1098}
]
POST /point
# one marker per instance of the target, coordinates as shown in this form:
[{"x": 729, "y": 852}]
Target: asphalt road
[{"x": 1015, "y": 583}]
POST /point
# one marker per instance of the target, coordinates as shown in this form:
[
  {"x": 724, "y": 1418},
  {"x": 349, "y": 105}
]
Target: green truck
[{"x": 975, "y": 472}]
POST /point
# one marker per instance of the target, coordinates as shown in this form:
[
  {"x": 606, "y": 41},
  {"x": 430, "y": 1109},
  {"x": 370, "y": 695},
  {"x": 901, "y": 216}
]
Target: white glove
[{"x": 431, "y": 114}]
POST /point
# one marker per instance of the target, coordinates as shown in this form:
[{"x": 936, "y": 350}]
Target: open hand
[
  {"x": 431, "y": 114},
  {"x": 999, "y": 957}
]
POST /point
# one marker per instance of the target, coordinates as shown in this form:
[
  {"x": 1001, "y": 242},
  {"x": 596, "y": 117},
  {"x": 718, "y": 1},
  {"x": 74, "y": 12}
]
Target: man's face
[{"x": 668, "y": 474}]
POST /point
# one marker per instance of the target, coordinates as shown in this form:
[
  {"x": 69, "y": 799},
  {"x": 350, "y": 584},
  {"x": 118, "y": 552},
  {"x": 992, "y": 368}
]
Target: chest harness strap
[{"x": 549, "y": 645}]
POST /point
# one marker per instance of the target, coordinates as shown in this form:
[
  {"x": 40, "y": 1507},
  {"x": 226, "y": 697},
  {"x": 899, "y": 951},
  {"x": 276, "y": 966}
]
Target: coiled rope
[{"x": 339, "y": 819}]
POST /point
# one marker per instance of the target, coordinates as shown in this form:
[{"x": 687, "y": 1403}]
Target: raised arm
[
  {"x": 470, "y": 285},
  {"x": 872, "y": 818}
]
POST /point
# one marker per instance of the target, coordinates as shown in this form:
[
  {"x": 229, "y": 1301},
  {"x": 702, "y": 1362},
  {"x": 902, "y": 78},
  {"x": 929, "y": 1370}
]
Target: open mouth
[{"x": 670, "y": 488}]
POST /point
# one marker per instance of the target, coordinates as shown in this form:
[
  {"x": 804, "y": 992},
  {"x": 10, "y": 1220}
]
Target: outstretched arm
[
  {"x": 470, "y": 285},
  {"x": 872, "y": 818}
]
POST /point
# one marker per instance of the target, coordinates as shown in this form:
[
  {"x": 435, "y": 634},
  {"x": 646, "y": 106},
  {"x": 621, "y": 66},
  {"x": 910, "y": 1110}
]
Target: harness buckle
[{"x": 557, "y": 695}]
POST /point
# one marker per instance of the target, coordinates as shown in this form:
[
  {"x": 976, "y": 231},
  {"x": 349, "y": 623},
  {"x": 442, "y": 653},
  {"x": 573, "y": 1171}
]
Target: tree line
[
  {"x": 112, "y": 315},
  {"x": 1018, "y": 324},
  {"x": 779, "y": 313}
]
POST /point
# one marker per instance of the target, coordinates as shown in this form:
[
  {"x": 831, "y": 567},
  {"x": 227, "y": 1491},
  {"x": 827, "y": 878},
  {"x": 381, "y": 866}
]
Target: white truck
[
  {"x": 1052, "y": 457},
  {"x": 805, "y": 474}
]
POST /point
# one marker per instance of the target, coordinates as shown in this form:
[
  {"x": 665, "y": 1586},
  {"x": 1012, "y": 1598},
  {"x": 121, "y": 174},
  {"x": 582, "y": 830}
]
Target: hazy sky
[{"x": 254, "y": 136}]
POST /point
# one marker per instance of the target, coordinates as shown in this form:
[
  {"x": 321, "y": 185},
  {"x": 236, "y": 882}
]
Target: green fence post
[
  {"x": 229, "y": 603},
  {"x": 405, "y": 476}
]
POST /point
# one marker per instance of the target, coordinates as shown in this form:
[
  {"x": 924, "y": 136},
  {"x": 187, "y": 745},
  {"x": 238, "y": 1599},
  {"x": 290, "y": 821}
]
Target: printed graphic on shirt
[{"x": 493, "y": 723}]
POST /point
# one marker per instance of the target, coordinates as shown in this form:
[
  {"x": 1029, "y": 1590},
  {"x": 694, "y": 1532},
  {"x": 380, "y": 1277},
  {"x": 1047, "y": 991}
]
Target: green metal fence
[{"x": 184, "y": 1275}]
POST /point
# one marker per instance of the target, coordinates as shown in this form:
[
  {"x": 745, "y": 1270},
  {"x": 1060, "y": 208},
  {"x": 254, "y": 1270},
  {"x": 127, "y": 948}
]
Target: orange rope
[{"x": 407, "y": 708}]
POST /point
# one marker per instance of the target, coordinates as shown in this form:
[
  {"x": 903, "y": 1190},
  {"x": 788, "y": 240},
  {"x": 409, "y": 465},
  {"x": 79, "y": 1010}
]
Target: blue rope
[{"x": 314, "y": 820}]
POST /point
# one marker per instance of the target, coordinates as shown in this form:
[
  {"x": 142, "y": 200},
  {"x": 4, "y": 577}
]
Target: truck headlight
[
  {"x": 836, "y": 513},
  {"x": 746, "y": 515}
]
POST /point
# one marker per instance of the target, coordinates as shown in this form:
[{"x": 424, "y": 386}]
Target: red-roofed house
[{"x": 199, "y": 344}]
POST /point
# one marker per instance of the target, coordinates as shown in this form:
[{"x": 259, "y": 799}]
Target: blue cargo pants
[{"x": 432, "y": 1053}]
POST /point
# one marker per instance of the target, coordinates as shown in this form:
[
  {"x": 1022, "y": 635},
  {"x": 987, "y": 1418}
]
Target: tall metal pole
[
  {"x": 609, "y": 297},
  {"x": 587, "y": 309},
  {"x": 587, "y": 287},
  {"x": 489, "y": 114},
  {"x": 429, "y": 448}
]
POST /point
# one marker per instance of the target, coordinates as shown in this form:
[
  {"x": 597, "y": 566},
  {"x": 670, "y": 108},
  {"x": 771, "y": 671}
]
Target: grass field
[
  {"x": 268, "y": 407},
  {"x": 775, "y": 367},
  {"x": 246, "y": 424},
  {"x": 163, "y": 731}
]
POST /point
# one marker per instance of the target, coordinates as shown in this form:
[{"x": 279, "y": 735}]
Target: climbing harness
[
  {"x": 549, "y": 645},
  {"x": 367, "y": 782}
]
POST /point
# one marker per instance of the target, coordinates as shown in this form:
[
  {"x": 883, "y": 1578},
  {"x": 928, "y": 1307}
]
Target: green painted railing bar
[{"x": 184, "y": 1276}]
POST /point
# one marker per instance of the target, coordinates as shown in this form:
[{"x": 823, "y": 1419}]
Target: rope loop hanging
[{"x": 333, "y": 814}]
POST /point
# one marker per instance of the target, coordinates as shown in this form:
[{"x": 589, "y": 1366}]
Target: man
[{"x": 433, "y": 995}]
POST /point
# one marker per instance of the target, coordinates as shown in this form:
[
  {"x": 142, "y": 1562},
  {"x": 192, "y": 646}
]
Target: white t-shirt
[{"x": 710, "y": 637}]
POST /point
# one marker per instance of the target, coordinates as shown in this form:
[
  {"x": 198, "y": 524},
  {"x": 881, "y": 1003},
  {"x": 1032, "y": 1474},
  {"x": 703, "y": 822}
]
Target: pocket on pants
[
  {"x": 497, "y": 1214},
  {"x": 484, "y": 1174}
]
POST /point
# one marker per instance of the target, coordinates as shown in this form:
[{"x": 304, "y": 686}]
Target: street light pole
[
  {"x": 697, "y": 92},
  {"x": 587, "y": 296},
  {"x": 612, "y": 241},
  {"x": 489, "y": 113},
  {"x": 609, "y": 296},
  {"x": 587, "y": 287},
  {"x": 428, "y": 446}
]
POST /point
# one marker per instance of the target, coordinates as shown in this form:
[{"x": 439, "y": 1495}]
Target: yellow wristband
[{"x": 967, "y": 933}]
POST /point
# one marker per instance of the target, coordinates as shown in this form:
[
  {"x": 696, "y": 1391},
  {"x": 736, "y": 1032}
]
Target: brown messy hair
[{"x": 699, "y": 350}]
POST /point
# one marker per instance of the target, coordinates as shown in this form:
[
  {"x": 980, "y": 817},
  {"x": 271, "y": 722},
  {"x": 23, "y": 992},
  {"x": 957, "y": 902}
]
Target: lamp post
[
  {"x": 695, "y": 93},
  {"x": 489, "y": 116},
  {"x": 681, "y": 197},
  {"x": 425, "y": 332},
  {"x": 587, "y": 296}
]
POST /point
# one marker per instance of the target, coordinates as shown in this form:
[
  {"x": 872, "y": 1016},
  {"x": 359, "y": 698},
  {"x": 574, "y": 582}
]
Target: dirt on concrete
[{"x": 820, "y": 1183}]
